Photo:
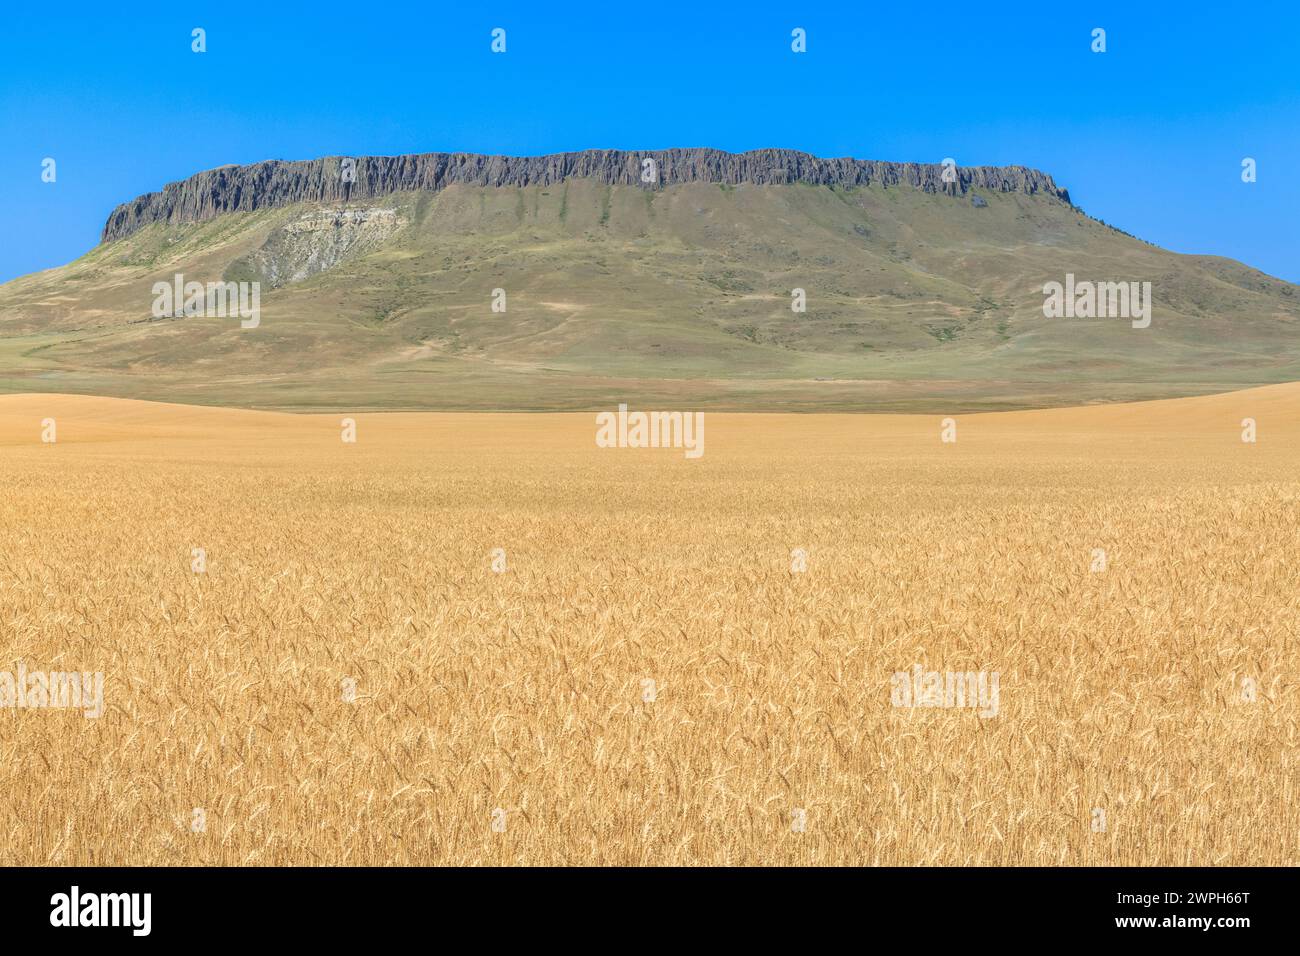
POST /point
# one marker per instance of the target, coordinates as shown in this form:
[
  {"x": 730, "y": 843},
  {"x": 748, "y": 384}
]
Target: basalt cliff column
[{"x": 277, "y": 183}]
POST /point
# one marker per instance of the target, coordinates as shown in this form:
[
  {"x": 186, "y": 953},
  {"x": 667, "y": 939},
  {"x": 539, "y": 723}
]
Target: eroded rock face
[
  {"x": 276, "y": 183},
  {"x": 319, "y": 240}
]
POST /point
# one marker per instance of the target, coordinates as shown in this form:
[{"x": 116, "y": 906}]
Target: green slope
[{"x": 671, "y": 297}]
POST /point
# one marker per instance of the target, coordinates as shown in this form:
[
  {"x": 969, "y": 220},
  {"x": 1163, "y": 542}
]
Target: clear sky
[{"x": 1149, "y": 135}]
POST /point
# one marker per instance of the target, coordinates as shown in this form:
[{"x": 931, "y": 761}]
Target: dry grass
[{"x": 522, "y": 690}]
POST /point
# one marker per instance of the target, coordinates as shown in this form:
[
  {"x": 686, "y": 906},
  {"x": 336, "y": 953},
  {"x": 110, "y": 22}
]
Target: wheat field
[{"x": 645, "y": 677}]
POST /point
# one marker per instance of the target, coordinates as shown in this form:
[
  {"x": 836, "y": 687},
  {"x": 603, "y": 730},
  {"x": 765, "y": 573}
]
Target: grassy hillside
[{"x": 671, "y": 297}]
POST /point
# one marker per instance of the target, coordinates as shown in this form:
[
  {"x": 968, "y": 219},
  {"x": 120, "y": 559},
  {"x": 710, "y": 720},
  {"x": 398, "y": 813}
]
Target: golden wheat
[{"x": 527, "y": 690}]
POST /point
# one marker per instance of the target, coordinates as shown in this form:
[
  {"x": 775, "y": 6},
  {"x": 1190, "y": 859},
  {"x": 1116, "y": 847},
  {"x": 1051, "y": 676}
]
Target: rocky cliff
[{"x": 276, "y": 183}]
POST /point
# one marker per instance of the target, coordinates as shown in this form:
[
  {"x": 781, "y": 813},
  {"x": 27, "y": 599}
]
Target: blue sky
[{"x": 1148, "y": 136}]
